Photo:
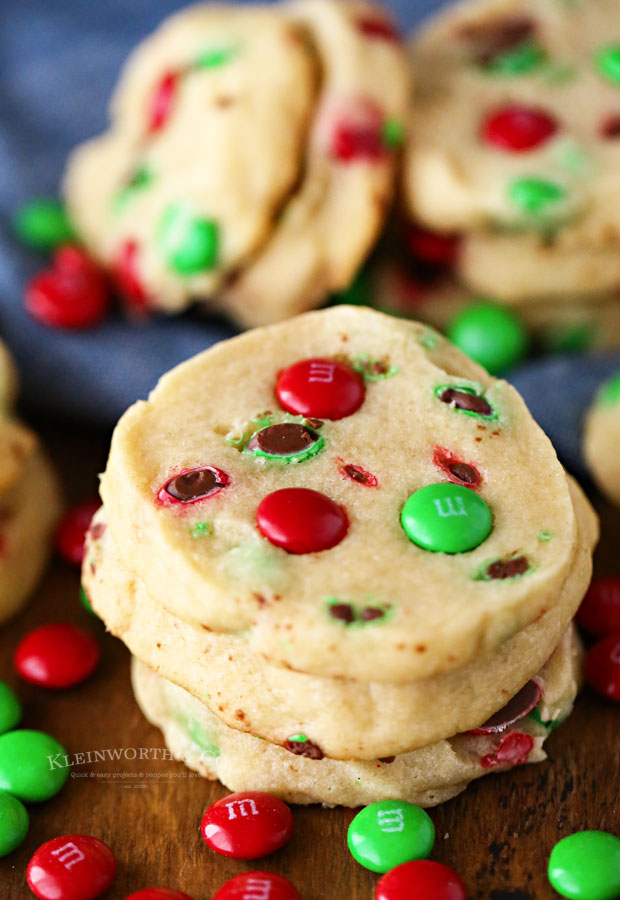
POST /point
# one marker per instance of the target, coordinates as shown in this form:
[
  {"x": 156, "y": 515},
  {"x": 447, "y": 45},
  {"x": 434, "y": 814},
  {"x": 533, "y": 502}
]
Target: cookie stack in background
[
  {"x": 29, "y": 500},
  {"x": 251, "y": 160},
  {"x": 515, "y": 152},
  {"x": 346, "y": 561}
]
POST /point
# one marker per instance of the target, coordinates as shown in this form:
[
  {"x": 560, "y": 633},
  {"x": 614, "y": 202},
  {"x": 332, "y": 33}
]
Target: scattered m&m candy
[
  {"x": 33, "y": 765},
  {"x": 158, "y": 894},
  {"x": 386, "y": 834},
  {"x": 421, "y": 879},
  {"x": 10, "y": 708},
  {"x": 71, "y": 867},
  {"x": 602, "y": 667},
  {"x": 258, "y": 884},
  {"x": 247, "y": 825},
  {"x": 586, "y": 866},
  {"x": 446, "y": 518},
  {"x": 599, "y": 613},
  {"x": 57, "y": 656},
  {"x": 72, "y": 294},
  {"x": 71, "y": 531},
  {"x": 492, "y": 335},
  {"x": 320, "y": 389},
  {"x": 14, "y": 823},
  {"x": 301, "y": 520},
  {"x": 43, "y": 224}
]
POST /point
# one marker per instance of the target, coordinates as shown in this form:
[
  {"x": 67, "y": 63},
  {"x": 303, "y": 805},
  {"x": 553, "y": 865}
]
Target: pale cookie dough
[
  {"x": 555, "y": 166},
  {"x": 28, "y": 513},
  {"x": 341, "y": 719},
  {"x": 334, "y": 216},
  {"x": 376, "y": 605},
  {"x": 425, "y": 777},
  {"x": 602, "y": 439},
  {"x": 209, "y": 123}
]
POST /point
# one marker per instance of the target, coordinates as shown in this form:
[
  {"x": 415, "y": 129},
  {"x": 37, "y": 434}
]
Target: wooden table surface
[{"x": 497, "y": 835}]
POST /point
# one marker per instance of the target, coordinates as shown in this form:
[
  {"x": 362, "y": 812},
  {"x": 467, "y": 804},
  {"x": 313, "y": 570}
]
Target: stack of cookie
[
  {"x": 515, "y": 151},
  {"x": 346, "y": 561},
  {"x": 29, "y": 500},
  {"x": 251, "y": 159}
]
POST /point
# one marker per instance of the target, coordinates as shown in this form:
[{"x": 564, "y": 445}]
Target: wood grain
[{"x": 497, "y": 835}]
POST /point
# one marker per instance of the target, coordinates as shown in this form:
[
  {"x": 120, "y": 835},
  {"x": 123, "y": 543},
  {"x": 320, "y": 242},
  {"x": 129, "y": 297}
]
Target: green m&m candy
[
  {"x": 85, "y": 601},
  {"x": 446, "y": 518},
  {"x": 10, "y": 708},
  {"x": 386, "y": 834},
  {"x": 14, "y": 823},
  {"x": 607, "y": 60},
  {"x": 586, "y": 866},
  {"x": 43, "y": 225},
  {"x": 525, "y": 58},
  {"x": 189, "y": 242},
  {"x": 33, "y": 765},
  {"x": 609, "y": 393},
  {"x": 490, "y": 334},
  {"x": 534, "y": 196}
]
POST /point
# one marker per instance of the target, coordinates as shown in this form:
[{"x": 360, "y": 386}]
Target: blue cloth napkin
[{"x": 59, "y": 64}]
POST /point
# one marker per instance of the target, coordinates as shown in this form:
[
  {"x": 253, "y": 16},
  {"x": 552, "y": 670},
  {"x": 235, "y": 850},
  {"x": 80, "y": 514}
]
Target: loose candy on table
[
  {"x": 158, "y": 894},
  {"x": 386, "y": 834},
  {"x": 71, "y": 531},
  {"x": 57, "y": 656},
  {"x": 446, "y": 518},
  {"x": 10, "y": 708},
  {"x": 247, "y": 825},
  {"x": 586, "y": 866},
  {"x": 493, "y": 336},
  {"x": 43, "y": 224},
  {"x": 599, "y": 613},
  {"x": 301, "y": 520},
  {"x": 321, "y": 389},
  {"x": 72, "y": 294},
  {"x": 33, "y": 765},
  {"x": 602, "y": 667},
  {"x": 421, "y": 879},
  {"x": 71, "y": 867},
  {"x": 14, "y": 823},
  {"x": 258, "y": 884}
]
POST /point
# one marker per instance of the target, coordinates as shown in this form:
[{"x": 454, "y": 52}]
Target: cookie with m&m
[
  {"x": 392, "y": 534},
  {"x": 601, "y": 436},
  {"x": 516, "y": 120}
]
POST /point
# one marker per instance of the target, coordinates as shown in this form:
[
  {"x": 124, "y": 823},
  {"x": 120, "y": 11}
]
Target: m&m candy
[
  {"x": 57, "y": 656},
  {"x": 158, "y": 894},
  {"x": 586, "y": 866},
  {"x": 421, "y": 878},
  {"x": 247, "y": 825},
  {"x": 446, "y": 518},
  {"x": 33, "y": 765},
  {"x": 258, "y": 884},
  {"x": 301, "y": 520},
  {"x": 602, "y": 667},
  {"x": 493, "y": 336},
  {"x": 599, "y": 613},
  {"x": 321, "y": 389},
  {"x": 189, "y": 243},
  {"x": 10, "y": 708},
  {"x": 14, "y": 823},
  {"x": 386, "y": 834},
  {"x": 71, "y": 531},
  {"x": 43, "y": 224},
  {"x": 72, "y": 294},
  {"x": 72, "y": 867},
  {"x": 518, "y": 128}
]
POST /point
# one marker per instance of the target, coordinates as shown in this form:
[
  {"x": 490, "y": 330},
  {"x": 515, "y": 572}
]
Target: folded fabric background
[{"x": 59, "y": 65}]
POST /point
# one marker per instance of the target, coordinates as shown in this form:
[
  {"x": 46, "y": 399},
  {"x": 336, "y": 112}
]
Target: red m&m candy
[
  {"x": 602, "y": 667},
  {"x": 518, "y": 128},
  {"x": 73, "y": 867},
  {"x": 320, "y": 389},
  {"x": 301, "y": 520},
  {"x": 162, "y": 100},
  {"x": 260, "y": 885},
  {"x": 57, "y": 656},
  {"x": 599, "y": 612},
  {"x": 72, "y": 294},
  {"x": 433, "y": 247},
  {"x": 421, "y": 879},
  {"x": 127, "y": 279},
  {"x": 72, "y": 530},
  {"x": 247, "y": 825},
  {"x": 158, "y": 894}
]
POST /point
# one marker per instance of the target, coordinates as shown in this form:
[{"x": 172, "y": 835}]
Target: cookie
[
  {"x": 601, "y": 436},
  {"x": 334, "y": 216},
  {"x": 425, "y": 777},
  {"x": 209, "y": 122},
  {"x": 515, "y": 120},
  {"x": 344, "y": 493},
  {"x": 341, "y": 718}
]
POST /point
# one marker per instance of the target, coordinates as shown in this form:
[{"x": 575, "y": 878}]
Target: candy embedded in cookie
[
  {"x": 324, "y": 388},
  {"x": 286, "y": 441},
  {"x": 193, "y": 485},
  {"x": 465, "y": 399}
]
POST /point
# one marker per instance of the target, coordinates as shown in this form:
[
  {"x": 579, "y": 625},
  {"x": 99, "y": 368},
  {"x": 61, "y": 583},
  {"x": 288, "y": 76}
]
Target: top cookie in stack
[
  {"x": 251, "y": 157},
  {"x": 516, "y": 126}
]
